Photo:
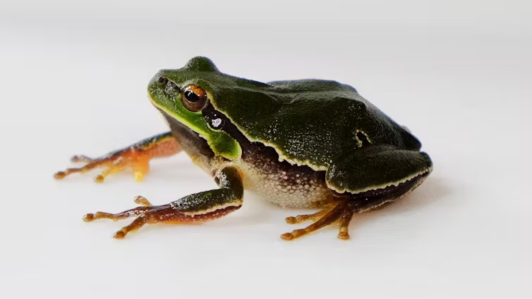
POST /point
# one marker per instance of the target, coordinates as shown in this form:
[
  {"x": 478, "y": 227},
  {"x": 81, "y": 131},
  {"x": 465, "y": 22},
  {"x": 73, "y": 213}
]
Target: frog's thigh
[
  {"x": 376, "y": 167},
  {"x": 192, "y": 209}
]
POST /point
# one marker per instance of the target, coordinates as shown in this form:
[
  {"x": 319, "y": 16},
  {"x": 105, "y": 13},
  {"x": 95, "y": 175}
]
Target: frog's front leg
[
  {"x": 136, "y": 157},
  {"x": 192, "y": 209}
]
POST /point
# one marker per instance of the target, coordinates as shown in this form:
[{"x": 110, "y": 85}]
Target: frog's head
[{"x": 182, "y": 94}]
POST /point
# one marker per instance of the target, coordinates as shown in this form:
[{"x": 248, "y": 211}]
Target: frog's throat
[{"x": 221, "y": 143}]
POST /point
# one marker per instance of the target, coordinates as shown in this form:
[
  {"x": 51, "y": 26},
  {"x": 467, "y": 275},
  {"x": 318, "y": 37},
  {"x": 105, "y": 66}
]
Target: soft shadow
[
  {"x": 432, "y": 190},
  {"x": 254, "y": 211}
]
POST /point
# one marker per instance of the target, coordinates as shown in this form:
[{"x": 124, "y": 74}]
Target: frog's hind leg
[
  {"x": 136, "y": 157},
  {"x": 390, "y": 173},
  {"x": 343, "y": 211}
]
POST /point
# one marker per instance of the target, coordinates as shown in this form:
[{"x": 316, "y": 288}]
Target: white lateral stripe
[
  {"x": 396, "y": 183},
  {"x": 236, "y": 203}
]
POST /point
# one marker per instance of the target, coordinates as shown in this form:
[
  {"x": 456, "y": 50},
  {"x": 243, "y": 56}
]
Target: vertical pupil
[{"x": 191, "y": 96}]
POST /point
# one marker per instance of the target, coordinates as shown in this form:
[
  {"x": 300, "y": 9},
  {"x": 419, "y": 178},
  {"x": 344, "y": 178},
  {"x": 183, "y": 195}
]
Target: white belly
[{"x": 286, "y": 189}]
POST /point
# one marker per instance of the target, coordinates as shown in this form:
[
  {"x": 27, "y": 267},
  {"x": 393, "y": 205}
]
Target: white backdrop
[{"x": 73, "y": 81}]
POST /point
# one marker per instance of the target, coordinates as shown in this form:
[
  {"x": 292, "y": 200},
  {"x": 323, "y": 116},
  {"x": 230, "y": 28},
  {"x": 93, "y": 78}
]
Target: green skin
[{"x": 354, "y": 156}]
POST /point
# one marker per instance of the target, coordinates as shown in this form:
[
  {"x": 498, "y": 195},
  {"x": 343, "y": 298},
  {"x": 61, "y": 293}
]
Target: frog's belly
[{"x": 286, "y": 187}]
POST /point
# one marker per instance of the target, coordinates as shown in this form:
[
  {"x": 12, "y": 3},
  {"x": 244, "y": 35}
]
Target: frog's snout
[
  {"x": 157, "y": 78},
  {"x": 162, "y": 83}
]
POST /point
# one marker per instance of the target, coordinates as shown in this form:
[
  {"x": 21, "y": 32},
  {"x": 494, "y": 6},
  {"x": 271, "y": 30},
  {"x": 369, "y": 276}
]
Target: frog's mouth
[{"x": 191, "y": 142}]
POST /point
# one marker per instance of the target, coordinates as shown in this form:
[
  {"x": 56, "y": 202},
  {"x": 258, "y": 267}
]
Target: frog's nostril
[{"x": 162, "y": 80}]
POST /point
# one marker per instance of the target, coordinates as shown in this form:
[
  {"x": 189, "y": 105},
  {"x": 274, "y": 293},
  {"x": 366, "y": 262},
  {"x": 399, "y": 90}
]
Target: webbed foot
[{"x": 341, "y": 212}]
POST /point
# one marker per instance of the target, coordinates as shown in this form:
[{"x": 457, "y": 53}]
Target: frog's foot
[
  {"x": 193, "y": 209},
  {"x": 113, "y": 164},
  {"x": 136, "y": 157},
  {"x": 308, "y": 217},
  {"x": 145, "y": 214},
  {"x": 141, "y": 200},
  {"x": 82, "y": 159},
  {"x": 341, "y": 212}
]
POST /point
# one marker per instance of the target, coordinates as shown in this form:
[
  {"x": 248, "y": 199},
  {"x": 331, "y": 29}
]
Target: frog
[{"x": 311, "y": 144}]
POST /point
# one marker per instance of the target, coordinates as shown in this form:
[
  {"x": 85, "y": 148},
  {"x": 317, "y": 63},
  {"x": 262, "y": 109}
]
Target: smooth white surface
[{"x": 457, "y": 73}]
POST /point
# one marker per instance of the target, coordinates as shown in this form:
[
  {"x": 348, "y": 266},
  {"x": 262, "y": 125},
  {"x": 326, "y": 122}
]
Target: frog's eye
[{"x": 194, "y": 98}]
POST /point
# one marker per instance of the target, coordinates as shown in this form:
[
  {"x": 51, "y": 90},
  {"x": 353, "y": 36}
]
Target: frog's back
[{"x": 311, "y": 122}]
